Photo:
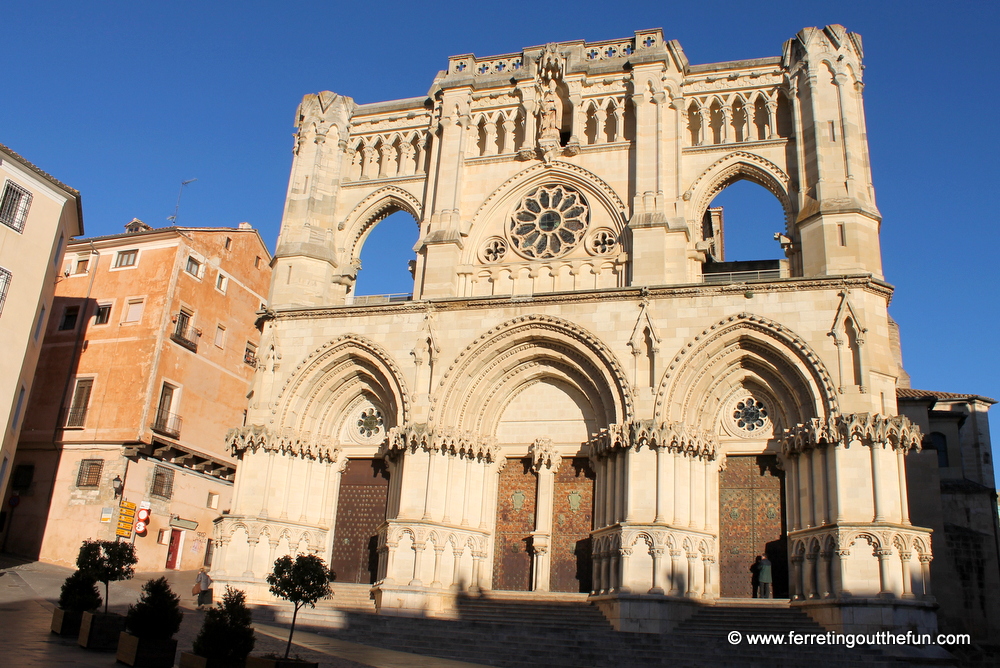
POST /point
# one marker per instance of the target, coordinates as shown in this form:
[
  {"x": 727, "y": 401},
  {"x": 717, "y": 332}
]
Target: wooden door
[
  {"x": 515, "y": 522},
  {"x": 572, "y": 521},
  {"x": 173, "y": 550},
  {"x": 751, "y": 522},
  {"x": 364, "y": 493}
]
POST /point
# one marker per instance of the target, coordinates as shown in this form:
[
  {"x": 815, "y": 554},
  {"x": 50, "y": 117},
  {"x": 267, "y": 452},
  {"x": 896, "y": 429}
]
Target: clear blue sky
[{"x": 124, "y": 100}]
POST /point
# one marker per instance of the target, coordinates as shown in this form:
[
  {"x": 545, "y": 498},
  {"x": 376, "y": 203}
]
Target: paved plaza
[{"x": 29, "y": 590}]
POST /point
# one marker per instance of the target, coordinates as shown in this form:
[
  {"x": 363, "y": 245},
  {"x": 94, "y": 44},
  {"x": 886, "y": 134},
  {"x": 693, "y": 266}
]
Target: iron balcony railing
[
  {"x": 75, "y": 417},
  {"x": 741, "y": 276},
  {"x": 365, "y": 300},
  {"x": 186, "y": 336},
  {"x": 250, "y": 357},
  {"x": 168, "y": 424}
]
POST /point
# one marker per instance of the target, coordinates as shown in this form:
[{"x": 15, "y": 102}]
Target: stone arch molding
[
  {"x": 372, "y": 210},
  {"x": 330, "y": 380},
  {"x": 501, "y": 361},
  {"x": 734, "y": 167},
  {"x": 753, "y": 351},
  {"x": 599, "y": 193}
]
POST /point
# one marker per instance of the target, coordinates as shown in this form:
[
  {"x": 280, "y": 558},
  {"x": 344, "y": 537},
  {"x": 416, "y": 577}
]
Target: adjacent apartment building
[
  {"x": 146, "y": 363},
  {"x": 38, "y": 214}
]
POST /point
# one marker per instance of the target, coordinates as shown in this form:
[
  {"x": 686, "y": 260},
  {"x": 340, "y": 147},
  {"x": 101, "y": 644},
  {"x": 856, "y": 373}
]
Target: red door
[{"x": 173, "y": 550}]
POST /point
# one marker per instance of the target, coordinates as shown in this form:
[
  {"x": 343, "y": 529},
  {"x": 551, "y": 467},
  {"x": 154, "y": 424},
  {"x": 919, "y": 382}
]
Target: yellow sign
[{"x": 126, "y": 519}]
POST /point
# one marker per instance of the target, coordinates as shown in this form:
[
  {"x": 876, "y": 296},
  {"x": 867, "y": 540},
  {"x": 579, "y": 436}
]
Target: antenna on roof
[{"x": 173, "y": 218}]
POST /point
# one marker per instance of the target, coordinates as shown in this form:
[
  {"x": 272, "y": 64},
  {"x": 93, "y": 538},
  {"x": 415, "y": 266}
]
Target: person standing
[
  {"x": 203, "y": 589},
  {"x": 755, "y": 576},
  {"x": 764, "y": 575}
]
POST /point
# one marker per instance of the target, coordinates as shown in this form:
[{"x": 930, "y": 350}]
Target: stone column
[
  {"x": 907, "y": 583},
  {"x": 678, "y": 488},
  {"x": 706, "y": 586},
  {"x": 840, "y": 587},
  {"x": 221, "y": 547},
  {"x": 539, "y": 562},
  {"x": 657, "y": 552},
  {"x": 621, "y": 491},
  {"x": 448, "y": 482},
  {"x": 661, "y": 485},
  {"x": 904, "y": 503},
  {"x": 430, "y": 483},
  {"x": 793, "y": 492},
  {"x": 465, "y": 491},
  {"x": 675, "y": 571},
  {"x": 795, "y": 581},
  {"x": 390, "y": 558},
  {"x": 925, "y": 575},
  {"x": 824, "y": 575},
  {"x": 615, "y": 579},
  {"x": 692, "y": 558},
  {"x": 438, "y": 550},
  {"x": 877, "y": 483},
  {"x": 819, "y": 486},
  {"x": 884, "y": 579},
  {"x": 600, "y": 471},
  {"x": 456, "y": 567},
  {"x": 477, "y": 563},
  {"x": 252, "y": 547},
  {"x": 324, "y": 507},
  {"x": 810, "y": 576},
  {"x": 266, "y": 494},
  {"x": 545, "y": 463},
  {"x": 303, "y": 516},
  {"x": 418, "y": 552}
]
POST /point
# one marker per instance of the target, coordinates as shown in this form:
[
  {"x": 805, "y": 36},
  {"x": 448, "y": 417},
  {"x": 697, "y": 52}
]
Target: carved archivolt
[
  {"x": 529, "y": 345},
  {"x": 336, "y": 363},
  {"x": 868, "y": 430},
  {"x": 682, "y": 389},
  {"x": 414, "y": 437},
  {"x": 256, "y": 437},
  {"x": 670, "y": 436}
]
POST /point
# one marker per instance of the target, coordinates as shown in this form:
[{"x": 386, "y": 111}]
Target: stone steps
[{"x": 515, "y": 632}]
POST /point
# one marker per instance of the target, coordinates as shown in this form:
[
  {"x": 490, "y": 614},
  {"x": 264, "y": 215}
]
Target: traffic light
[{"x": 142, "y": 521}]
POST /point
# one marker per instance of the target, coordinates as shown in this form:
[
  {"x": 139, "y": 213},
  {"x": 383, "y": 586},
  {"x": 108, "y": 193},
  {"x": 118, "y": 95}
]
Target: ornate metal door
[
  {"x": 515, "y": 522},
  {"x": 572, "y": 521},
  {"x": 751, "y": 522},
  {"x": 364, "y": 492}
]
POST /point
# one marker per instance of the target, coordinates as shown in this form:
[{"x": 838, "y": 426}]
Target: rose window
[
  {"x": 750, "y": 414},
  {"x": 549, "y": 222},
  {"x": 369, "y": 423},
  {"x": 603, "y": 242},
  {"x": 494, "y": 250}
]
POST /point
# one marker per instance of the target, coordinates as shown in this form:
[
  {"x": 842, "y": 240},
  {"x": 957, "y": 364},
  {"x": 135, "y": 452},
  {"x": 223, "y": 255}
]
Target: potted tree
[
  {"x": 301, "y": 581},
  {"x": 226, "y": 636},
  {"x": 106, "y": 561},
  {"x": 78, "y": 595},
  {"x": 150, "y": 625}
]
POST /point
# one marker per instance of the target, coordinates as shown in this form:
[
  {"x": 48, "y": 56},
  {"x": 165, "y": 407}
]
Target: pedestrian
[
  {"x": 755, "y": 576},
  {"x": 764, "y": 575},
  {"x": 203, "y": 589}
]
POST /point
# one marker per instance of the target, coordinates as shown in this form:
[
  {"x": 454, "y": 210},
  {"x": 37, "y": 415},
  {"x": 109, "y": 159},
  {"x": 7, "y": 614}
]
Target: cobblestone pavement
[{"x": 29, "y": 590}]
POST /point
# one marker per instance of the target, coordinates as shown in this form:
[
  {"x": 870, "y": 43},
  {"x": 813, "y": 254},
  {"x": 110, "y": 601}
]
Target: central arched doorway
[{"x": 751, "y": 523}]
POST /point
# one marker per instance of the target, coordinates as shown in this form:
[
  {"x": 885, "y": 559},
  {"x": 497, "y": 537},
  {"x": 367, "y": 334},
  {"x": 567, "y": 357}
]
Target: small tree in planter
[
  {"x": 106, "y": 561},
  {"x": 78, "y": 595},
  {"x": 301, "y": 581},
  {"x": 151, "y": 624},
  {"x": 226, "y": 636}
]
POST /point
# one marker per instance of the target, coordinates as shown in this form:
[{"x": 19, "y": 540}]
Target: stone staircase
[{"x": 514, "y": 630}]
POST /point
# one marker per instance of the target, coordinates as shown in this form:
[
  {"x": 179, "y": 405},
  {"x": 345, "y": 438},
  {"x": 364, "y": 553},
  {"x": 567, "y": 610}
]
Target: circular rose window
[
  {"x": 750, "y": 416},
  {"x": 549, "y": 222}
]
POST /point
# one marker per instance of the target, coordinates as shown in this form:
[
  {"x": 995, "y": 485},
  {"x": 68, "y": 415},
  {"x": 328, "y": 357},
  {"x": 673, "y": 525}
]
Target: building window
[
  {"x": 221, "y": 283},
  {"x": 193, "y": 267},
  {"x": 213, "y": 501},
  {"x": 17, "y": 408},
  {"x": 126, "y": 258},
  {"x": 102, "y": 314},
  {"x": 90, "y": 473},
  {"x": 22, "y": 478},
  {"x": 69, "y": 318},
  {"x": 166, "y": 421},
  {"x": 57, "y": 259},
  {"x": 163, "y": 483},
  {"x": 82, "y": 264},
  {"x": 133, "y": 311},
  {"x": 163, "y": 537},
  {"x": 41, "y": 323},
  {"x": 256, "y": 262},
  {"x": 209, "y": 553},
  {"x": 229, "y": 243},
  {"x": 220, "y": 336},
  {"x": 4, "y": 282},
  {"x": 14, "y": 206},
  {"x": 250, "y": 356},
  {"x": 76, "y": 416}
]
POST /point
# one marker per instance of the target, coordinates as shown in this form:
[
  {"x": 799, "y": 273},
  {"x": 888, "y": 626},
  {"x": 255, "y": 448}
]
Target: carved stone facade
[{"x": 567, "y": 359}]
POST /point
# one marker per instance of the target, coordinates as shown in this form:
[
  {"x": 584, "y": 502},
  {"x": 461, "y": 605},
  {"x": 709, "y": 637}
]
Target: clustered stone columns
[
  {"x": 661, "y": 543},
  {"x": 833, "y": 544},
  {"x": 545, "y": 463}
]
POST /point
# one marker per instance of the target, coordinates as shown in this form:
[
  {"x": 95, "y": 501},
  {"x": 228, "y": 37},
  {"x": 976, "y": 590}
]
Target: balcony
[
  {"x": 365, "y": 300},
  {"x": 186, "y": 336},
  {"x": 76, "y": 418},
  {"x": 740, "y": 272},
  {"x": 168, "y": 424}
]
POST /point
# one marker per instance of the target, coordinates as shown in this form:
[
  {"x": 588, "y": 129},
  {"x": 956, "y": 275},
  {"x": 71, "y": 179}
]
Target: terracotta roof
[{"x": 909, "y": 393}]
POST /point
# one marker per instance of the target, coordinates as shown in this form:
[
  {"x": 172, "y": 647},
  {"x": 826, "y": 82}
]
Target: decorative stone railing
[
  {"x": 455, "y": 560},
  {"x": 654, "y": 559},
  {"x": 240, "y": 556}
]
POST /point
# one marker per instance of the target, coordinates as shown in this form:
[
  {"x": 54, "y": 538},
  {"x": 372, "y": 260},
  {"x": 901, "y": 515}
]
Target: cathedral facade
[{"x": 581, "y": 394}]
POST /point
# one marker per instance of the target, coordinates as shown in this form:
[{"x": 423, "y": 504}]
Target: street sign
[{"x": 126, "y": 519}]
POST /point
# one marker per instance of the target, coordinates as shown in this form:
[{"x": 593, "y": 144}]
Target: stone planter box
[
  {"x": 100, "y": 631},
  {"x": 261, "y": 662},
  {"x": 192, "y": 660},
  {"x": 66, "y": 622},
  {"x": 146, "y": 652}
]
